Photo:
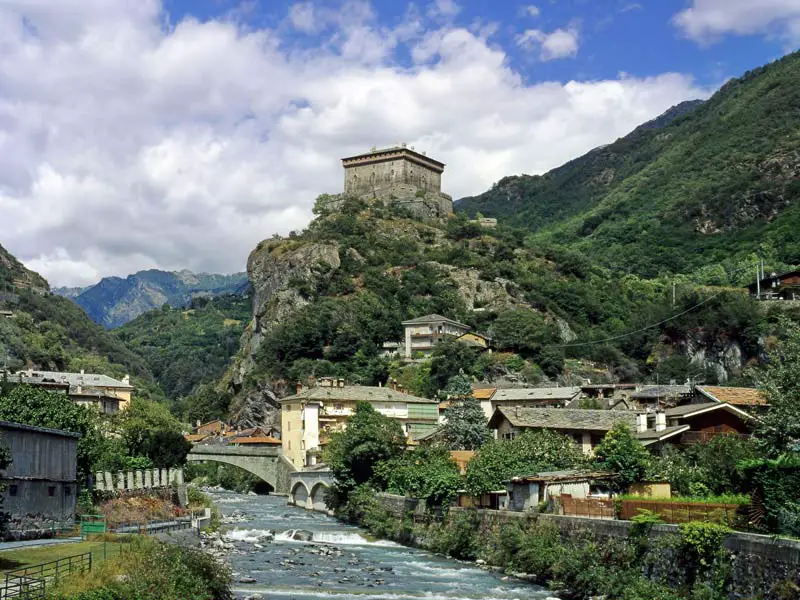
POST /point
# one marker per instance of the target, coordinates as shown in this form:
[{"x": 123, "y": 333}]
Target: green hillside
[
  {"x": 712, "y": 185},
  {"x": 49, "y": 332}
]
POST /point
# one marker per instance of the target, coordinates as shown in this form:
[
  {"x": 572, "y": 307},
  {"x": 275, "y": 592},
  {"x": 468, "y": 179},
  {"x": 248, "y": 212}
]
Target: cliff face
[{"x": 14, "y": 275}]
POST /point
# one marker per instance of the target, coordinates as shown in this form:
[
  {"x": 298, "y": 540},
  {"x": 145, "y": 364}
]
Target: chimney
[
  {"x": 299, "y": 387},
  {"x": 341, "y": 383},
  {"x": 126, "y": 380},
  {"x": 641, "y": 422},
  {"x": 82, "y": 372},
  {"x": 661, "y": 420}
]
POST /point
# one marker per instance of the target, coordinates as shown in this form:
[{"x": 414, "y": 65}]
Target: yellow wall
[
  {"x": 292, "y": 433},
  {"x": 651, "y": 489}
]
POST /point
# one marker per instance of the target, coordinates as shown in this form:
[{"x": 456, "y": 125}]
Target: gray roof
[
  {"x": 73, "y": 379},
  {"x": 434, "y": 319},
  {"x": 661, "y": 391},
  {"x": 356, "y": 393},
  {"x": 547, "y": 393},
  {"x": 6, "y": 425},
  {"x": 651, "y": 436},
  {"x": 562, "y": 418},
  {"x": 566, "y": 475}
]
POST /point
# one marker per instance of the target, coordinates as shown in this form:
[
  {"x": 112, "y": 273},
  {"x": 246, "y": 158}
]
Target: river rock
[
  {"x": 247, "y": 580},
  {"x": 301, "y": 535},
  {"x": 253, "y": 597}
]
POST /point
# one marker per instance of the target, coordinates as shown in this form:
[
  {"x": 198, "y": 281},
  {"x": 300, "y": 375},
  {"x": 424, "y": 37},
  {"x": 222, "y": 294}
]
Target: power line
[{"x": 648, "y": 327}]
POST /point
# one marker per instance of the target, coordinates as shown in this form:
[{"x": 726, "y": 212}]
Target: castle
[{"x": 399, "y": 176}]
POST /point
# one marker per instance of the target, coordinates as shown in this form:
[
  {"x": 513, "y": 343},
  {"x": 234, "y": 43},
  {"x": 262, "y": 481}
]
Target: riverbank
[{"x": 580, "y": 561}]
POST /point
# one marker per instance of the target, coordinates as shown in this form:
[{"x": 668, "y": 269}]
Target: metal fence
[{"x": 30, "y": 582}]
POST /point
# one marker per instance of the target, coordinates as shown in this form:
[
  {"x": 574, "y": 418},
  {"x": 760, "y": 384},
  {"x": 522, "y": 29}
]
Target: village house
[
  {"x": 106, "y": 394},
  {"x": 40, "y": 485},
  {"x": 423, "y": 333},
  {"x": 586, "y": 427},
  {"x": 310, "y": 415},
  {"x": 661, "y": 396},
  {"x": 541, "y": 397},
  {"x": 526, "y": 492},
  {"x": 693, "y": 423},
  {"x": 751, "y": 400},
  {"x": 785, "y": 286}
]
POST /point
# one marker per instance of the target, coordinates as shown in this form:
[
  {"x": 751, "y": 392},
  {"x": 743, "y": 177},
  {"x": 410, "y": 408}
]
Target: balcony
[{"x": 702, "y": 437}]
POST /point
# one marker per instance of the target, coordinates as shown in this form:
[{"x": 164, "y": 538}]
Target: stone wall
[
  {"x": 123, "y": 481},
  {"x": 760, "y": 564}
]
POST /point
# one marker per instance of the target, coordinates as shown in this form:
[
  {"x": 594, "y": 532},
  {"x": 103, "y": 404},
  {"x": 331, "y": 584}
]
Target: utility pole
[
  {"x": 673, "y": 294},
  {"x": 758, "y": 284}
]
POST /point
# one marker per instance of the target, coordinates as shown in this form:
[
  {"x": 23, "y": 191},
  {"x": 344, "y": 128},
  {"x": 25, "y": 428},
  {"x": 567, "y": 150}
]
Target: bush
[{"x": 457, "y": 536}]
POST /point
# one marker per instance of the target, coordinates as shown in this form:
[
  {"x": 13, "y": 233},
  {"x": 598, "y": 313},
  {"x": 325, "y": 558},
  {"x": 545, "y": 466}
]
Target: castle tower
[{"x": 400, "y": 176}]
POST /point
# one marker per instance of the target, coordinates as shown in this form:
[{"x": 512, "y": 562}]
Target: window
[
  {"x": 338, "y": 406},
  {"x": 12, "y": 489},
  {"x": 509, "y": 435},
  {"x": 51, "y": 491}
]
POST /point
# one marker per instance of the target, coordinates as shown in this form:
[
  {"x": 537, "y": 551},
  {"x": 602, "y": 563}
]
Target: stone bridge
[
  {"x": 308, "y": 489},
  {"x": 267, "y": 463}
]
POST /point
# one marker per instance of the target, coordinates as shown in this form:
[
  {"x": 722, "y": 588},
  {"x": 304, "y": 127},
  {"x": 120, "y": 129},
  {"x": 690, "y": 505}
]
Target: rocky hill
[
  {"x": 115, "y": 301},
  {"x": 706, "y": 183},
  {"x": 326, "y": 300}
]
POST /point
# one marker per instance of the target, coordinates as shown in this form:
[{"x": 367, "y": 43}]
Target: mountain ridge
[{"x": 114, "y": 301}]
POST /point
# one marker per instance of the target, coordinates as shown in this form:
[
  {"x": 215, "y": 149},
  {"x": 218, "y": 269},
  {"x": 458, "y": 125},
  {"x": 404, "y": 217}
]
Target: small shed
[{"x": 528, "y": 491}]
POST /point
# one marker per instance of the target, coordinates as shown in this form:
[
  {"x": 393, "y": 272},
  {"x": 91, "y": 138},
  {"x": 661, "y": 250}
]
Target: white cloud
[
  {"x": 561, "y": 43},
  {"x": 128, "y": 143},
  {"x": 444, "y": 8},
  {"x": 301, "y": 16},
  {"x": 531, "y": 10},
  {"x": 708, "y": 20}
]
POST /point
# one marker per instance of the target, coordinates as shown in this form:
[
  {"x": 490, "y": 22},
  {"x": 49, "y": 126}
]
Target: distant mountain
[
  {"x": 115, "y": 301},
  {"x": 705, "y": 183}
]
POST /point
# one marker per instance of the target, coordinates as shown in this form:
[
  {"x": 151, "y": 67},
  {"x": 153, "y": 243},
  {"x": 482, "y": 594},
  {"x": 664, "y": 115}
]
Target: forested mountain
[
  {"x": 185, "y": 348},
  {"x": 711, "y": 184},
  {"x": 115, "y": 300},
  {"x": 45, "y": 331}
]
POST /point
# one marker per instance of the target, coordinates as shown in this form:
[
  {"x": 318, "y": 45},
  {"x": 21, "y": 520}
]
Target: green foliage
[
  {"x": 527, "y": 333},
  {"x": 775, "y": 484},
  {"x": 703, "y": 540},
  {"x": 186, "y": 347},
  {"x": 465, "y": 425},
  {"x": 456, "y": 536},
  {"x": 353, "y": 454},
  {"x": 622, "y": 454},
  {"x": 226, "y": 476},
  {"x": 779, "y": 430},
  {"x": 449, "y": 359},
  {"x": 531, "y": 452},
  {"x": 428, "y": 473},
  {"x": 35, "y": 406}
]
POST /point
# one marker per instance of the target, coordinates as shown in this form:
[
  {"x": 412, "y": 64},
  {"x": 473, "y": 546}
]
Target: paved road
[{"x": 34, "y": 543}]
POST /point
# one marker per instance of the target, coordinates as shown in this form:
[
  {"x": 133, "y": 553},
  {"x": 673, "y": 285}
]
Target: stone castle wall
[{"x": 380, "y": 176}]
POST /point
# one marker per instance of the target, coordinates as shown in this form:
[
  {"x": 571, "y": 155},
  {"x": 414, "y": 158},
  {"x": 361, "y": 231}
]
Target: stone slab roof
[
  {"x": 545, "y": 393},
  {"x": 72, "y": 379},
  {"x": 562, "y": 418},
  {"x": 355, "y": 393},
  {"x": 566, "y": 475},
  {"x": 653, "y": 392},
  {"x": 434, "y": 318},
  {"x": 738, "y": 396},
  {"x": 651, "y": 436}
]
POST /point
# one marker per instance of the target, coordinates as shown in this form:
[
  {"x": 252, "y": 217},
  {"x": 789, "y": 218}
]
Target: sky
[{"x": 178, "y": 134}]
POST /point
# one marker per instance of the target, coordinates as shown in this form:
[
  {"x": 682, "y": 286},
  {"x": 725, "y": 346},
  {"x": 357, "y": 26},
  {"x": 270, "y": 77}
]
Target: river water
[{"x": 378, "y": 570}]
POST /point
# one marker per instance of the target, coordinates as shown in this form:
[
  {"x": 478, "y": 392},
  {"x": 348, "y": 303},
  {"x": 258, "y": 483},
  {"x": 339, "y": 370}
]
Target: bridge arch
[
  {"x": 299, "y": 494},
  {"x": 318, "y": 496},
  {"x": 268, "y": 464}
]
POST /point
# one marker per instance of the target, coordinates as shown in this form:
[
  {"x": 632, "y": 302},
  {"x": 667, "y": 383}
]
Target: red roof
[{"x": 738, "y": 396}]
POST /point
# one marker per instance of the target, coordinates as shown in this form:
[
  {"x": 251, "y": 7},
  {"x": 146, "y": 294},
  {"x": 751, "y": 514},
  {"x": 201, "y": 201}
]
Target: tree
[
  {"x": 448, "y": 359},
  {"x": 622, "y": 454},
  {"x": 354, "y": 453},
  {"x": 778, "y": 431},
  {"x": 532, "y": 452},
  {"x": 465, "y": 427},
  {"x": 148, "y": 430},
  {"x": 427, "y": 472},
  {"x": 35, "y": 406}
]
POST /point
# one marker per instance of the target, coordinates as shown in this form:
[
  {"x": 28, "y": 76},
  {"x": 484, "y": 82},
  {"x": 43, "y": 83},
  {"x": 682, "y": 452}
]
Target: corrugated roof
[
  {"x": 357, "y": 393},
  {"x": 738, "y": 396},
  {"x": 548, "y": 393},
  {"x": 563, "y": 418}
]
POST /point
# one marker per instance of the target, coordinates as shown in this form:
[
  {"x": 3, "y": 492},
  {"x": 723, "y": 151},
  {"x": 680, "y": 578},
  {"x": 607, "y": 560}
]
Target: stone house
[
  {"x": 41, "y": 483},
  {"x": 310, "y": 415},
  {"x": 542, "y": 397},
  {"x": 106, "y": 394}
]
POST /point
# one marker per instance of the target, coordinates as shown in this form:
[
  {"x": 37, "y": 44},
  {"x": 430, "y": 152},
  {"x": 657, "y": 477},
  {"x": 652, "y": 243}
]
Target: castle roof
[{"x": 384, "y": 154}]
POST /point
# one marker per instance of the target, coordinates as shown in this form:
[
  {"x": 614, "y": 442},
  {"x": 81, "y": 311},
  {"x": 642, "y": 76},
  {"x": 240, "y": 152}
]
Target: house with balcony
[
  {"x": 785, "y": 286},
  {"x": 423, "y": 333},
  {"x": 693, "y": 423},
  {"x": 312, "y": 414}
]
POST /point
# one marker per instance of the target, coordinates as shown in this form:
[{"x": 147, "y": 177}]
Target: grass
[{"x": 101, "y": 549}]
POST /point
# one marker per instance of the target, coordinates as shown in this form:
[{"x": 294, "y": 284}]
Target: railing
[
  {"x": 150, "y": 527},
  {"x": 694, "y": 437},
  {"x": 29, "y": 582}
]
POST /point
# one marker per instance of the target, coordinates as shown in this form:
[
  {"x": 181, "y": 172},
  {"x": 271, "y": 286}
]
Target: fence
[
  {"x": 683, "y": 512},
  {"x": 594, "y": 508},
  {"x": 29, "y": 582}
]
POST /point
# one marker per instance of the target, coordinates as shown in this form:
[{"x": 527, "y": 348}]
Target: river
[{"x": 377, "y": 570}]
